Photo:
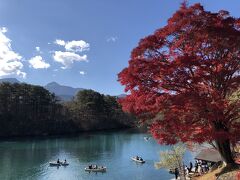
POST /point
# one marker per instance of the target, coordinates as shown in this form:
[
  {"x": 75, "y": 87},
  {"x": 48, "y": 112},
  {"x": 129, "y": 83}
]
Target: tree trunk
[
  {"x": 225, "y": 152},
  {"x": 182, "y": 174}
]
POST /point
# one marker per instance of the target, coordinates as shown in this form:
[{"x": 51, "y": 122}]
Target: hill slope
[{"x": 66, "y": 93}]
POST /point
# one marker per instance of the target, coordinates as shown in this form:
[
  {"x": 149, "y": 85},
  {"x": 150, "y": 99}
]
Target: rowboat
[
  {"x": 64, "y": 163},
  {"x": 139, "y": 159},
  {"x": 146, "y": 138},
  {"x": 171, "y": 171},
  {"x": 60, "y": 163},
  {"x": 96, "y": 169},
  {"x": 54, "y": 163}
]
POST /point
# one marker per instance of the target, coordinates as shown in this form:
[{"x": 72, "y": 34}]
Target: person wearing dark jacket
[
  {"x": 176, "y": 172},
  {"x": 196, "y": 167},
  {"x": 190, "y": 167}
]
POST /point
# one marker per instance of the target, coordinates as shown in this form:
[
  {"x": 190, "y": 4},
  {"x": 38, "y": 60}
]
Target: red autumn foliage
[{"x": 186, "y": 71}]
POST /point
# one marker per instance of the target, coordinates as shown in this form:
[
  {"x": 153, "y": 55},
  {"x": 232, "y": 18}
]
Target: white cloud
[
  {"x": 82, "y": 72},
  {"x": 71, "y": 53},
  {"x": 4, "y": 29},
  {"x": 60, "y": 42},
  {"x": 22, "y": 74},
  {"x": 77, "y": 46},
  {"x": 73, "y": 46},
  {"x": 10, "y": 61},
  {"x": 112, "y": 39},
  {"x": 68, "y": 58},
  {"x": 37, "y": 49},
  {"x": 37, "y": 62}
]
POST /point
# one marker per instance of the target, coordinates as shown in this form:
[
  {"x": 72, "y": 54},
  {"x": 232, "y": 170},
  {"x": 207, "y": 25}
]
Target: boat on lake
[
  {"x": 55, "y": 163},
  {"x": 146, "y": 138},
  {"x": 138, "y": 159},
  {"x": 60, "y": 163},
  {"x": 95, "y": 168},
  {"x": 171, "y": 171},
  {"x": 64, "y": 163}
]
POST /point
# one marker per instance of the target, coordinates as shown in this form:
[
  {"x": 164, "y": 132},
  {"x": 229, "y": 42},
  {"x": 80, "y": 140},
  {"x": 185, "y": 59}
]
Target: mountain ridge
[
  {"x": 10, "y": 80},
  {"x": 65, "y": 93}
]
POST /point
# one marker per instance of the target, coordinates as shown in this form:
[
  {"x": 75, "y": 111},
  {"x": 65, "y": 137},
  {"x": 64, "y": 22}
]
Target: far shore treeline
[{"x": 27, "y": 110}]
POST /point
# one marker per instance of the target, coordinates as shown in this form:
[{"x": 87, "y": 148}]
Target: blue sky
[{"x": 81, "y": 43}]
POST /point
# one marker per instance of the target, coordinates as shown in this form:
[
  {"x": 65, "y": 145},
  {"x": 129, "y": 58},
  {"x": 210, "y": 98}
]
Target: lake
[{"x": 28, "y": 159}]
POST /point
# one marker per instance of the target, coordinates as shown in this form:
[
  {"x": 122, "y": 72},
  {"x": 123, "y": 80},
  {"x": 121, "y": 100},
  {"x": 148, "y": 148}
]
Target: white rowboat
[
  {"x": 146, "y": 138},
  {"x": 137, "y": 160}
]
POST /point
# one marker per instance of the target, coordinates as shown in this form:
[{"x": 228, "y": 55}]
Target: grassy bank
[{"x": 218, "y": 174}]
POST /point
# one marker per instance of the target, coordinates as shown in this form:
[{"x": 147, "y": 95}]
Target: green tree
[{"x": 172, "y": 159}]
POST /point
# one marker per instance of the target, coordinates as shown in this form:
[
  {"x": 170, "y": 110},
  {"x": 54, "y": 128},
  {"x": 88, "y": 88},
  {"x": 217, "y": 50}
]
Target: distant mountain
[
  {"x": 10, "y": 80},
  {"x": 66, "y": 93},
  {"x": 122, "y": 96}
]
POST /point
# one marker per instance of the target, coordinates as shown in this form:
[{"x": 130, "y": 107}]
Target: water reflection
[{"x": 28, "y": 159}]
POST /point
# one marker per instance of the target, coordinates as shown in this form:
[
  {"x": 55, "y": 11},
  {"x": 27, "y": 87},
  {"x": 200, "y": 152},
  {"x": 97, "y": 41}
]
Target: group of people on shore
[{"x": 200, "y": 167}]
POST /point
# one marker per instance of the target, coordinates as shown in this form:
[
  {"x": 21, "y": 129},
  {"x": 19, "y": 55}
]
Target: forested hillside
[{"x": 32, "y": 110}]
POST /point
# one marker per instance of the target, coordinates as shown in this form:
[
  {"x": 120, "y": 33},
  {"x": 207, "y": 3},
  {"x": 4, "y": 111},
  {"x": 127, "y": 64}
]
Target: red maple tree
[{"x": 182, "y": 77}]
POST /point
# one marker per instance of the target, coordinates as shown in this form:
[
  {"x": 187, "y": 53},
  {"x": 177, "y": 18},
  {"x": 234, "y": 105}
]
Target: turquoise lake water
[{"x": 28, "y": 159}]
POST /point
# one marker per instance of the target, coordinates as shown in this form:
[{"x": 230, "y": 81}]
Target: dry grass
[
  {"x": 231, "y": 175},
  {"x": 209, "y": 175}
]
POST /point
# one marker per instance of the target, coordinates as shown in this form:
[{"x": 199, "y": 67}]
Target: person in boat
[
  {"x": 65, "y": 161},
  {"x": 137, "y": 157},
  {"x": 90, "y": 167},
  {"x": 140, "y": 159},
  {"x": 58, "y": 161}
]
